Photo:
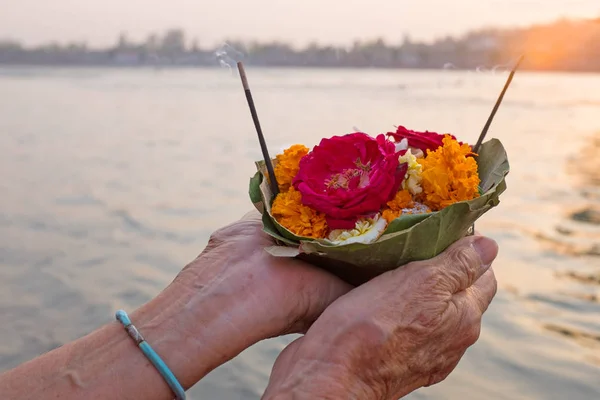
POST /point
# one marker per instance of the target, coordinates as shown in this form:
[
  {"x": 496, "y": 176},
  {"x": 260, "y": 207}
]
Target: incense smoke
[
  {"x": 482, "y": 69},
  {"x": 506, "y": 67},
  {"x": 228, "y": 57}
]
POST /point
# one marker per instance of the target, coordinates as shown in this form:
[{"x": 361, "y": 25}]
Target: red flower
[
  {"x": 420, "y": 140},
  {"x": 349, "y": 176}
]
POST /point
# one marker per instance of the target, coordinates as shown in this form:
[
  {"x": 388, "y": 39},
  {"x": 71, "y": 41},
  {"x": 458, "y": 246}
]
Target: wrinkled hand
[
  {"x": 276, "y": 295},
  {"x": 405, "y": 329}
]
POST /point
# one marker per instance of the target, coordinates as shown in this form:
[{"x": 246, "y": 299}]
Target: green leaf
[
  {"x": 406, "y": 221},
  {"x": 254, "y": 191}
]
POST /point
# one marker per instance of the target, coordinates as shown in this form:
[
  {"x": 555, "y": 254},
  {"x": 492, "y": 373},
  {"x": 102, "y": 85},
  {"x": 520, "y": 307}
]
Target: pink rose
[{"x": 349, "y": 176}]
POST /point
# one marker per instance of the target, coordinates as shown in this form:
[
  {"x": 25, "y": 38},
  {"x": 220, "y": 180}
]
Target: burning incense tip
[
  {"x": 263, "y": 145},
  {"x": 243, "y": 75}
]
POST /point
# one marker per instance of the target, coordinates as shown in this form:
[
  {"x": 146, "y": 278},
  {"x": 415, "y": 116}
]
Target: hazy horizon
[{"x": 339, "y": 22}]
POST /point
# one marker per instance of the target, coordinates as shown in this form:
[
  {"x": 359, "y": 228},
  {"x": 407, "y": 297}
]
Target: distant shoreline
[
  {"x": 284, "y": 67},
  {"x": 579, "y": 52}
]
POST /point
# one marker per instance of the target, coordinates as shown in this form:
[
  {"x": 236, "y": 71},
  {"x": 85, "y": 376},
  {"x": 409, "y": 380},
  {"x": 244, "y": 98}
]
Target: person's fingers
[
  {"x": 471, "y": 303},
  {"x": 284, "y": 362},
  {"x": 314, "y": 290},
  {"x": 445, "y": 369},
  {"x": 463, "y": 263},
  {"x": 483, "y": 291}
]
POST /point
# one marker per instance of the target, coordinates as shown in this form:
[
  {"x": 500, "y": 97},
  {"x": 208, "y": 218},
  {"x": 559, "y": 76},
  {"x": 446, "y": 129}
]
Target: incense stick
[
  {"x": 493, "y": 114},
  {"x": 496, "y": 106},
  {"x": 261, "y": 138}
]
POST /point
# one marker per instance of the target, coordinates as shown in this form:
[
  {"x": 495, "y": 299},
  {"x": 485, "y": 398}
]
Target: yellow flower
[
  {"x": 288, "y": 164},
  {"x": 299, "y": 219},
  {"x": 366, "y": 230},
  {"x": 412, "y": 182},
  {"x": 449, "y": 175}
]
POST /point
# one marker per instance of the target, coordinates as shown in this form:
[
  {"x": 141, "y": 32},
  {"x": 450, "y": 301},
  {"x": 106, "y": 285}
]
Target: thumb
[{"x": 463, "y": 263}]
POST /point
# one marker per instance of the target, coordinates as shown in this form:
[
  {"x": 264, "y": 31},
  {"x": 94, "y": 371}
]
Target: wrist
[
  {"x": 197, "y": 325},
  {"x": 194, "y": 327}
]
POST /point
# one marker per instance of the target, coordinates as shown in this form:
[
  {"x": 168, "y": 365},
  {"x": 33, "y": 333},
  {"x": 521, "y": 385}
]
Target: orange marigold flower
[
  {"x": 394, "y": 207},
  {"x": 288, "y": 164},
  {"x": 403, "y": 199},
  {"x": 299, "y": 219},
  {"x": 389, "y": 215},
  {"x": 449, "y": 175}
]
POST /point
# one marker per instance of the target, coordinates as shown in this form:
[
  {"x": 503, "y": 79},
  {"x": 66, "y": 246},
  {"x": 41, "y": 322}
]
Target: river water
[{"x": 113, "y": 179}]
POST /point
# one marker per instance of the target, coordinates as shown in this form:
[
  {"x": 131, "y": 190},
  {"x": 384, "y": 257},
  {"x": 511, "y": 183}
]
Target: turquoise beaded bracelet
[{"x": 154, "y": 358}]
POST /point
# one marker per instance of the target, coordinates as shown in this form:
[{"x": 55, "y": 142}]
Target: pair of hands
[{"x": 405, "y": 329}]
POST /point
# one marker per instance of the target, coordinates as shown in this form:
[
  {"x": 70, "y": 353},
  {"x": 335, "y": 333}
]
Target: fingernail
[{"x": 487, "y": 250}]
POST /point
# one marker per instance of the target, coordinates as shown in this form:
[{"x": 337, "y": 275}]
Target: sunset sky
[{"x": 334, "y": 21}]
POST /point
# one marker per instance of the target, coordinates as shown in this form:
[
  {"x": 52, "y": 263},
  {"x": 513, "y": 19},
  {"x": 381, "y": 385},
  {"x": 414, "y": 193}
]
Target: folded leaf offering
[{"x": 359, "y": 206}]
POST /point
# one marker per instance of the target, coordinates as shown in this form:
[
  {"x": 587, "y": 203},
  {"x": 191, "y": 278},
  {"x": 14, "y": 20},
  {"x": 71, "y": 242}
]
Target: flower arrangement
[{"x": 359, "y": 205}]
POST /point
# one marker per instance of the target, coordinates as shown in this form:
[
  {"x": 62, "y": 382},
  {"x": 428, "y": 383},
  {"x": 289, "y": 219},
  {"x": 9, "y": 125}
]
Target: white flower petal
[
  {"x": 402, "y": 145},
  {"x": 365, "y": 231}
]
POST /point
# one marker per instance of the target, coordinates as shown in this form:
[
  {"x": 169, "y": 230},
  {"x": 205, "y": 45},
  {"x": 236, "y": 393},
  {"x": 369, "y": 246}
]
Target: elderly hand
[
  {"x": 271, "y": 295},
  {"x": 405, "y": 329}
]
